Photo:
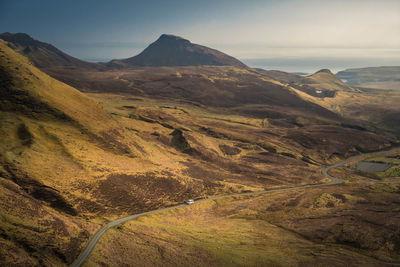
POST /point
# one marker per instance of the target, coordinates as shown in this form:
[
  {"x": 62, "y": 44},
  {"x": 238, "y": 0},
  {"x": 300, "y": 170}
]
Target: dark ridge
[
  {"x": 39, "y": 191},
  {"x": 24, "y": 135},
  {"x": 44, "y": 55},
  {"x": 179, "y": 141},
  {"x": 324, "y": 71},
  {"x": 21, "y": 39}
]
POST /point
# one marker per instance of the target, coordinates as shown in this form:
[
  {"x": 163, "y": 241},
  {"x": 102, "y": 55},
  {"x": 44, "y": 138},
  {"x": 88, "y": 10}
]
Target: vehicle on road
[{"x": 190, "y": 202}]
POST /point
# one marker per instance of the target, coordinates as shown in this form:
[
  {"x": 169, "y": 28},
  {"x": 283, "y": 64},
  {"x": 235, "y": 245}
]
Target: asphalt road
[{"x": 85, "y": 253}]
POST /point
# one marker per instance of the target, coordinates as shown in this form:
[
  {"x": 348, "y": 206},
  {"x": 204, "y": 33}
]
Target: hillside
[
  {"x": 374, "y": 109},
  {"x": 44, "y": 125},
  {"x": 325, "y": 80},
  {"x": 321, "y": 84},
  {"x": 70, "y": 162},
  {"x": 171, "y": 50},
  {"x": 372, "y": 77},
  {"x": 43, "y": 55},
  {"x": 29, "y": 91},
  {"x": 243, "y": 90}
]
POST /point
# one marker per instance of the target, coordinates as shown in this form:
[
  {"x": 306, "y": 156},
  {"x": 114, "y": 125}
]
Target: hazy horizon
[{"x": 293, "y": 35}]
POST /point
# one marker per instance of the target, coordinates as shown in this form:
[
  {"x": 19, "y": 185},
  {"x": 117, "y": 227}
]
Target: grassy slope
[
  {"x": 56, "y": 142},
  {"x": 353, "y": 224},
  {"x": 45, "y": 89}
]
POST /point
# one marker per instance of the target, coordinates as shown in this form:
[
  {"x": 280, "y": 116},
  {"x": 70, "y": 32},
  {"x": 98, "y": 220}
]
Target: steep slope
[
  {"x": 372, "y": 77},
  {"x": 43, "y": 124},
  {"x": 27, "y": 90},
  {"x": 171, "y": 50},
  {"x": 43, "y": 55}
]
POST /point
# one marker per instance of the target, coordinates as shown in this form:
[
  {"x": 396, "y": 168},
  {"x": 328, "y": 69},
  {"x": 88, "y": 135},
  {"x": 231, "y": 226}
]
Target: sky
[{"x": 292, "y": 35}]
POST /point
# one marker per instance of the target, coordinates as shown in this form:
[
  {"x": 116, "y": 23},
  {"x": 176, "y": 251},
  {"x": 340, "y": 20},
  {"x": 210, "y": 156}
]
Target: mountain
[
  {"x": 168, "y": 50},
  {"x": 43, "y": 55},
  {"x": 372, "y": 77},
  {"x": 154, "y": 137},
  {"x": 220, "y": 81},
  {"x": 171, "y": 50}
]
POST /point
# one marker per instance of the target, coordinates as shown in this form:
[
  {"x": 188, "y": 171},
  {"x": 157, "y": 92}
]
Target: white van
[{"x": 190, "y": 202}]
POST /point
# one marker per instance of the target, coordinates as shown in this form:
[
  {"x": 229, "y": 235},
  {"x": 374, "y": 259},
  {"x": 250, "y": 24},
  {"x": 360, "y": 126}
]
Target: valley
[{"x": 84, "y": 144}]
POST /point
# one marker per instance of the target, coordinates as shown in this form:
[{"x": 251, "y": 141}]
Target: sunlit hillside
[{"x": 70, "y": 161}]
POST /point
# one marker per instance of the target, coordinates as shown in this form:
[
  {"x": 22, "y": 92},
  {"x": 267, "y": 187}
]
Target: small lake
[{"x": 372, "y": 166}]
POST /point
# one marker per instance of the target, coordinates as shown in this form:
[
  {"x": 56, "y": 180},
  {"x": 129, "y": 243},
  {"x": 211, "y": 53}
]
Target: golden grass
[
  {"x": 231, "y": 232},
  {"x": 227, "y": 242},
  {"x": 56, "y": 94},
  {"x": 128, "y": 139}
]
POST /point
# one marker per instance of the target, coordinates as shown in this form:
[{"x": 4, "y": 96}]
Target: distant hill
[
  {"x": 372, "y": 77},
  {"x": 323, "y": 83},
  {"x": 43, "y": 55},
  {"x": 325, "y": 80},
  {"x": 171, "y": 50}
]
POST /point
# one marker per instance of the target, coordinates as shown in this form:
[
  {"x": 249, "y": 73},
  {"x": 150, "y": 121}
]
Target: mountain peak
[
  {"x": 170, "y": 37},
  {"x": 324, "y": 71},
  {"x": 19, "y": 38},
  {"x": 42, "y": 54},
  {"x": 172, "y": 50}
]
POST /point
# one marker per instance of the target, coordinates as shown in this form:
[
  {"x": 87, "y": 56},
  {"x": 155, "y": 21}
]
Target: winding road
[{"x": 86, "y": 252}]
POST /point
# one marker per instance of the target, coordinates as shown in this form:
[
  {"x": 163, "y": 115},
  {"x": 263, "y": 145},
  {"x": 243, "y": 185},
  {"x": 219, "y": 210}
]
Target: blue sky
[{"x": 280, "y": 30}]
